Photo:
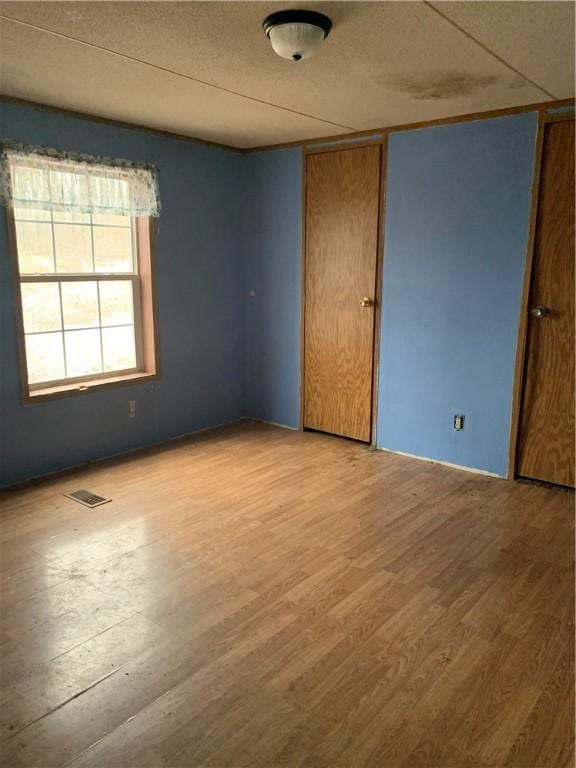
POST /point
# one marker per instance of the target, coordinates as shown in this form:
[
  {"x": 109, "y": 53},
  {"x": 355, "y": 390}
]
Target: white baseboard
[
  {"x": 272, "y": 423},
  {"x": 445, "y": 463}
]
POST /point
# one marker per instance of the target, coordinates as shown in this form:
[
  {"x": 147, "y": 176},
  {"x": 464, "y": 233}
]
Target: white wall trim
[
  {"x": 445, "y": 463},
  {"x": 272, "y": 423}
]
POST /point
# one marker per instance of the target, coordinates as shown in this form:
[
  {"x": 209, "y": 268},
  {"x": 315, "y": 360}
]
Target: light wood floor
[{"x": 257, "y": 598}]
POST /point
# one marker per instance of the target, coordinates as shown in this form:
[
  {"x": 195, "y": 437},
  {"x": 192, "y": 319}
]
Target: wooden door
[
  {"x": 546, "y": 439},
  {"x": 342, "y": 202}
]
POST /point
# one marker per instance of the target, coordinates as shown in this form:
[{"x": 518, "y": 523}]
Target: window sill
[{"x": 67, "y": 390}]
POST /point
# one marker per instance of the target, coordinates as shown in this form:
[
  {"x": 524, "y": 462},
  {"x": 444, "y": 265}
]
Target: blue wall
[
  {"x": 457, "y": 214},
  {"x": 199, "y": 287},
  {"x": 458, "y": 203},
  {"x": 458, "y": 200},
  {"x": 272, "y": 189}
]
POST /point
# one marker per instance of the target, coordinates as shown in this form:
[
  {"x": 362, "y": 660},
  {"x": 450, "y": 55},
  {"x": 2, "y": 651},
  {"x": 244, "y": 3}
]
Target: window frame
[{"x": 144, "y": 304}]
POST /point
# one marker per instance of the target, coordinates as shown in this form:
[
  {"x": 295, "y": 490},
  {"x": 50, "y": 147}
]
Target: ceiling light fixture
[{"x": 296, "y": 35}]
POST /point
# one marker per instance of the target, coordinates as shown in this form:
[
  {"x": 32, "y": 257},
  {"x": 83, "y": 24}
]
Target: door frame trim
[
  {"x": 302, "y": 291},
  {"x": 520, "y": 363},
  {"x": 320, "y": 150},
  {"x": 379, "y": 288}
]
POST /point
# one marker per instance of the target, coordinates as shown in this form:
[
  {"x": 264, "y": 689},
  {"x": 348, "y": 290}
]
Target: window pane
[
  {"x": 110, "y": 220},
  {"x": 80, "y": 305},
  {"x": 34, "y": 244},
  {"x": 41, "y": 307},
  {"x": 112, "y": 249},
  {"x": 71, "y": 217},
  {"x": 44, "y": 357},
  {"x": 82, "y": 352},
  {"x": 116, "y": 302},
  {"x": 31, "y": 214},
  {"x": 73, "y": 248},
  {"x": 119, "y": 348}
]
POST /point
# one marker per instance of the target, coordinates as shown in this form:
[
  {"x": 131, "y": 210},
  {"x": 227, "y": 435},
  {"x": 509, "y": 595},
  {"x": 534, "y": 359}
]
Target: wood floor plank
[
  {"x": 533, "y": 737},
  {"x": 257, "y": 598}
]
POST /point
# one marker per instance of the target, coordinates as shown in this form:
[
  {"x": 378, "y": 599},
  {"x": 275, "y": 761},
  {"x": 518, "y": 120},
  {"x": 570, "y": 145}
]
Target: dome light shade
[{"x": 296, "y": 35}]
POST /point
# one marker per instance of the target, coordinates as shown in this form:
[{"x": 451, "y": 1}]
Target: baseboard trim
[
  {"x": 462, "y": 467},
  {"x": 111, "y": 456},
  {"x": 272, "y": 423},
  {"x": 186, "y": 435}
]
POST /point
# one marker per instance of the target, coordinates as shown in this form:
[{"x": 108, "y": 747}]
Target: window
[{"x": 84, "y": 272}]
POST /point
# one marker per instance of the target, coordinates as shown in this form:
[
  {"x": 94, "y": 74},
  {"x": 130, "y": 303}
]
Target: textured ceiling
[{"x": 205, "y": 69}]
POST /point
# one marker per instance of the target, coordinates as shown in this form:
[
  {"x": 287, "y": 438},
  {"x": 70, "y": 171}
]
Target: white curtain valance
[{"x": 78, "y": 184}]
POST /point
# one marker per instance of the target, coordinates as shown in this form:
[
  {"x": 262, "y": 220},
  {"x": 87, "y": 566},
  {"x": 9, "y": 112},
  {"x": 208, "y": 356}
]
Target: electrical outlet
[
  {"x": 458, "y": 422},
  {"x": 131, "y": 408}
]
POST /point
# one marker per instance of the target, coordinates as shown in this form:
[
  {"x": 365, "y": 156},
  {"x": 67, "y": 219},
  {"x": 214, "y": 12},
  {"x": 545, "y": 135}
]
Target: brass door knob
[{"x": 366, "y": 302}]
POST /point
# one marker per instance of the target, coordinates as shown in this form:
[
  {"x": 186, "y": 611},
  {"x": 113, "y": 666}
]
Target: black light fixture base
[{"x": 297, "y": 17}]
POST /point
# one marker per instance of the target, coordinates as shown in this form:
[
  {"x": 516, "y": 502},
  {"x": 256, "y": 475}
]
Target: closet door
[
  {"x": 546, "y": 439},
  {"x": 342, "y": 202}
]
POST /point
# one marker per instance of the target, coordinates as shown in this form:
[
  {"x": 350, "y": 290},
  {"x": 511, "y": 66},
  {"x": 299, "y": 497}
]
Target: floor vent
[{"x": 87, "y": 498}]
